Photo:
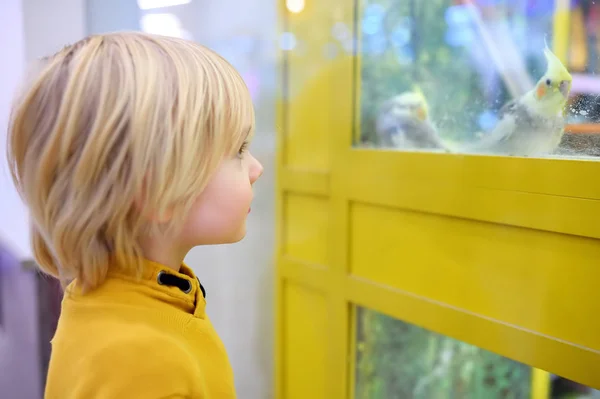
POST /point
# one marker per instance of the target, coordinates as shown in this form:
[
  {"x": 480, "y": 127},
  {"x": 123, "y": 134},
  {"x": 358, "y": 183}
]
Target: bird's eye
[{"x": 548, "y": 82}]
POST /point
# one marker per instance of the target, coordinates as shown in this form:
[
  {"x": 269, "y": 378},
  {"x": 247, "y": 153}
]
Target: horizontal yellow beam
[
  {"x": 533, "y": 193},
  {"x": 304, "y": 182},
  {"x": 550, "y": 176},
  {"x": 544, "y": 352},
  {"x": 302, "y": 273}
]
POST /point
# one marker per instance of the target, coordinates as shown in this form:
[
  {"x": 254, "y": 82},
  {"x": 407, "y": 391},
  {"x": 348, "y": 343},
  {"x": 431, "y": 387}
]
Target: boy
[{"x": 130, "y": 149}]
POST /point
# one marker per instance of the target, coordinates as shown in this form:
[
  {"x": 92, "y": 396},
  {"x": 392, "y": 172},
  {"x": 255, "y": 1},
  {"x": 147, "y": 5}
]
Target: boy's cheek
[{"x": 218, "y": 222}]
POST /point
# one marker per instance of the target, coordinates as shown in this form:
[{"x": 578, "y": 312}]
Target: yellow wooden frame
[{"x": 322, "y": 183}]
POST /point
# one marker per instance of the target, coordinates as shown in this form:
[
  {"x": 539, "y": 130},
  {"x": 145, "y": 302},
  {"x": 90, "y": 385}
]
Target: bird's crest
[{"x": 555, "y": 69}]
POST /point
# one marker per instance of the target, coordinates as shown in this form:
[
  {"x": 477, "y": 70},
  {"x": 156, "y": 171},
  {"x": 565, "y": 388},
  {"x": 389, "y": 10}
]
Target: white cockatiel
[
  {"x": 403, "y": 122},
  {"x": 534, "y": 123}
]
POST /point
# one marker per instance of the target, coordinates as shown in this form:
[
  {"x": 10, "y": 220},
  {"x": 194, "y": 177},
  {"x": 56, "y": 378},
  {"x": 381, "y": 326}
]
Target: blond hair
[{"x": 108, "y": 121}]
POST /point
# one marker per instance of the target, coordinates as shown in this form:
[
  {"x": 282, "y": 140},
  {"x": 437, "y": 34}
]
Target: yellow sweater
[{"x": 131, "y": 339}]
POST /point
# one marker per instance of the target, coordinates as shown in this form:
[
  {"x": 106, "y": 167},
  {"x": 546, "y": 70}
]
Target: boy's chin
[
  {"x": 228, "y": 239},
  {"x": 239, "y": 236}
]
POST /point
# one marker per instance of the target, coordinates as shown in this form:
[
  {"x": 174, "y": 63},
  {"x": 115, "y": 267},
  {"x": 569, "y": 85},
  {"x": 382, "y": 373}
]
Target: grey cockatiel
[
  {"x": 534, "y": 123},
  {"x": 403, "y": 122}
]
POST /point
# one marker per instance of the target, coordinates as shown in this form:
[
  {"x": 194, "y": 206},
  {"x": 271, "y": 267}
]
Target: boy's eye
[{"x": 243, "y": 148}]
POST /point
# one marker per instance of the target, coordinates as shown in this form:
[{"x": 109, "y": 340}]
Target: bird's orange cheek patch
[{"x": 541, "y": 91}]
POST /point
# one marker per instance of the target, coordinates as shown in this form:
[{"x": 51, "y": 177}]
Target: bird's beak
[
  {"x": 565, "y": 88},
  {"x": 421, "y": 113}
]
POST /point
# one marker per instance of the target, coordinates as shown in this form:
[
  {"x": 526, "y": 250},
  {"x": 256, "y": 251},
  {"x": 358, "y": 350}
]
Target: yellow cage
[{"x": 498, "y": 253}]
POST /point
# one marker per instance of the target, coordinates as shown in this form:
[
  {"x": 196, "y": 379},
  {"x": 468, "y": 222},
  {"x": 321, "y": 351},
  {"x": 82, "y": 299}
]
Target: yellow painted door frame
[{"x": 528, "y": 293}]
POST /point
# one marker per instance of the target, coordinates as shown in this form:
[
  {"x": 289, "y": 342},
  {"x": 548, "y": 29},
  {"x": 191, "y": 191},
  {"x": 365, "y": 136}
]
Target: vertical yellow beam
[
  {"x": 355, "y": 109},
  {"x": 540, "y": 384},
  {"x": 279, "y": 214},
  {"x": 341, "y": 141},
  {"x": 357, "y": 73},
  {"x": 314, "y": 133},
  {"x": 561, "y": 29}
]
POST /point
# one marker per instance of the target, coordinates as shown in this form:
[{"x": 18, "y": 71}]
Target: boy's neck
[{"x": 160, "y": 252}]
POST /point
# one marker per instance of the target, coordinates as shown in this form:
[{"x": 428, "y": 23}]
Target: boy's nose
[{"x": 256, "y": 170}]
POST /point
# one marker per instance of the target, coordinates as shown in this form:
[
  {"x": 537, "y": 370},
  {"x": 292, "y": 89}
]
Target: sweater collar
[
  {"x": 181, "y": 284},
  {"x": 181, "y": 289}
]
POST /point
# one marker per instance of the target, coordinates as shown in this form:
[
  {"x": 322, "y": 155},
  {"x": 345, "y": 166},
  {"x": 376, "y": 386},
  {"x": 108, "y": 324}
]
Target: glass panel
[
  {"x": 399, "y": 360},
  {"x": 478, "y": 76}
]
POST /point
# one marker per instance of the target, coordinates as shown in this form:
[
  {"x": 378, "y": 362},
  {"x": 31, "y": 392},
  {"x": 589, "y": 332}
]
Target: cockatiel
[
  {"x": 534, "y": 123},
  {"x": 403, "y": 122}
]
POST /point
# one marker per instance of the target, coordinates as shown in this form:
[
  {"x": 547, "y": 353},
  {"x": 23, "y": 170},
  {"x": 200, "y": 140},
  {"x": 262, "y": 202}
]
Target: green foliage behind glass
[
  {"x": 397, "y": 360},
  {"x": 444, "y": 73}
]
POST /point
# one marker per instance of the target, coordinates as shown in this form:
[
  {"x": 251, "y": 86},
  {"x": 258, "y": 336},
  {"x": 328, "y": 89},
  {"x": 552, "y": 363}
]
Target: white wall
[
  {"x": 13, "y": 218},
  {"x": 51, "y": 24},
  {"x": 111, "y": 15}
]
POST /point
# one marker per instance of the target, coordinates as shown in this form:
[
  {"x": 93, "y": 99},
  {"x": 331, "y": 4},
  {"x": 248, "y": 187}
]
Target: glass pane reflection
[
  {"x": 399, "y": 360},
  {"x": 479, "y": 76}
]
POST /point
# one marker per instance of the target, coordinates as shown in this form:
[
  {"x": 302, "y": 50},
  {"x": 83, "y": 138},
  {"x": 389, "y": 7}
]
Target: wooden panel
[
  {"x": 306, "y": 228},
  {"x": 304, "y": 340},
  {"x": 539, "y": 281}
]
